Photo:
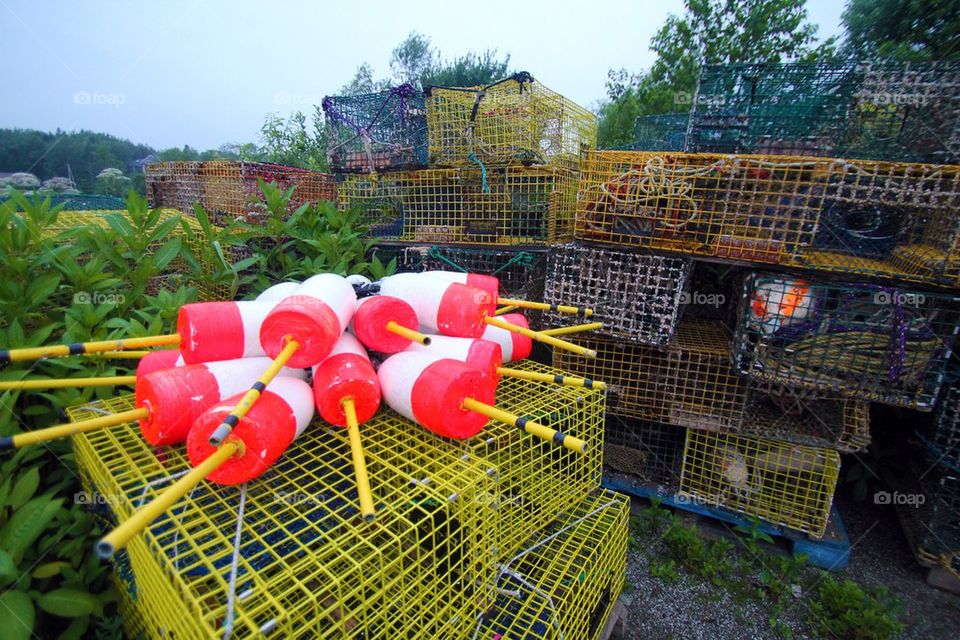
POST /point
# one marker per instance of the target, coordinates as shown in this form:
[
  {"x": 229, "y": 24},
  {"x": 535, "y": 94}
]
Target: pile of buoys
[{"x": 236, "y": 391}]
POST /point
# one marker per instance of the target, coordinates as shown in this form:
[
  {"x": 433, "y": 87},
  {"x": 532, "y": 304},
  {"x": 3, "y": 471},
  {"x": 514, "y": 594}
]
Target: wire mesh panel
[
  {"x": 649, "y": 452},
  {"x": 565, "y": 582},
  {"x": 515, "y": 120},
  {"x": 377, "y": 131},
  {"x": 637, "y": 296},
  {"x": 945, "y": 428},
  {"x": 788, "y": 485},
  {"x": 874, "y": 342},
  {"x": 173, "y": 185},
  {"x": 927, "y": 502},
  {"x": 878, "y": 110},
  {"x": 502, "y": 206},
  {"x": 78, "y": 201},
  {"x": 664, "y": 132},
  {"x": 307, "y": 565}
]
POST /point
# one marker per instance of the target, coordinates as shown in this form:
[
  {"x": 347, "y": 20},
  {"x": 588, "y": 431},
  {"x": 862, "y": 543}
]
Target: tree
[
  {"x": 112, "y": 182},
  {"x": 363, "y": 82},
  {"x": 469, "y": 70},
  {"x": 903, "y": 29},
  {"x": 412, "y": 59}
]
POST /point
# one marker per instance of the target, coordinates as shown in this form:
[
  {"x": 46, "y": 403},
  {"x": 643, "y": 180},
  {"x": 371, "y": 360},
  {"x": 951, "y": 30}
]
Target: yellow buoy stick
[
  {"x": 409, "y": 334},
  {"x": 540, "y": 337},
  {"x": 367, "y": 510},
  {"x": 529, "y": 426},
  {"x": 575, "y": 328},
  {"x": 121, "y": 535},
  {"x": 79, "y": 348},
  {"x": 544, "y": 306},
  {"x": 569, "y": 381},
  {"x": 121, "y": 355},
  {"x": 62, "y": 383},
  {"x": 503, "y": 310},
  {"x": 253, "y": 394},
  {"x": 71, "y": 428}
]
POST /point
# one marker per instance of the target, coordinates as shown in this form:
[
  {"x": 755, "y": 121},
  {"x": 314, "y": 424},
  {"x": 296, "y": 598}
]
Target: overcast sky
[{"x": 206, "y": 73}]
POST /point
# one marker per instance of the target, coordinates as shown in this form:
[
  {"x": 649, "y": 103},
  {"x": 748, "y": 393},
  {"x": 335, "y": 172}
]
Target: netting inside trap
[
  {"x": 874, "y": 342},
  {"x": 516, "y": 120},
  {"x": 637, "y": 296},
  {"x": 308, "y": 566},
  {"x": 377, "y": 131},
  {"x": 501, "y": 206},
  {"x": 664, "y": 132},
  {"x": 787, "y": 485},
  {"x": 883, "y": 110},
  {"x": 648, "y": 452},
  {"x": 569, "y": 576}
]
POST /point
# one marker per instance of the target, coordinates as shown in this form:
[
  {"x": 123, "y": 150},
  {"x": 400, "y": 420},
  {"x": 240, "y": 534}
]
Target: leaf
[
  {"x": 8, "y": 570},
  {"x": 49, "y": 569},
  {"x": 42, "y": 286},
  {"x": 76, "y": 629},
  {"x": 25, "y": 488},
  {"x": 167, "y": 252},
  {"x": 26, "y": 525},
  {"x": 69, "y": 603},
  {"x": 16, "y": 615}
]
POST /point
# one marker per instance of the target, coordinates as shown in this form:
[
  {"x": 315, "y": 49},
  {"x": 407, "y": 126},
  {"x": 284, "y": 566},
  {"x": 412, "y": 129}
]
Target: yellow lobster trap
[
  {"x": 512, "y": 121},
  {"x": 565, "y": 581},
  {"x": 288, "y": 554},
  {"x": 785, "y": 484},
  {"x": 497, "y": 206},
  {"x": 874, "y": 218}
]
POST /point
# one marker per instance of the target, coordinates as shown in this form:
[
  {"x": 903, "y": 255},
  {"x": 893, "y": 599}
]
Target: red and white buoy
[
  {"x": 281, "y": 414},
  {"x": 485, "y": 355},
  {"x": 175, "y": 397},
  {"x": 278, "y": 292},
  {"x": 314, "y": 315},
  {"x": 431, "y": 392},
  {"x": 372, "y": 317},
  {"x": 159, "y": 360},
  {"x": 490, "y": 284},
  {"x": 515, "y": 346},
  {"x": 447, "y": 308},
  {"x": 346, "y": 373},
  {"x": 212, "y": 331}
]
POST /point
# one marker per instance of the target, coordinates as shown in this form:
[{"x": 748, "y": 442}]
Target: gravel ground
[{"x": 691, "y": 608}]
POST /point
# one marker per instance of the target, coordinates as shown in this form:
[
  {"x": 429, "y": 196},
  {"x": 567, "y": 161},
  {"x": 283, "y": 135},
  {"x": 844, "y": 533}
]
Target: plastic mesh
[
  {"x": 504, "y": 206},
  {"x": 649, "y": 452},
  {"x": 377, "y": 131},
  {"x": 787, "y": 485},
  {"x": 514, "y": 120},
  {"x": 637, "y": 296},
  {"x": 308, "y": 566},
  {"x": 874, "y": 342},
  {"x": 871, "y": 218},
  {"x": 567, "y": 581},
  {"x": 664, "y": 132}
]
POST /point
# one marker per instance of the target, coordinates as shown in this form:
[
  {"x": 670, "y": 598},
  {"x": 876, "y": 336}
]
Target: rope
[
  {"x": 483, "y": 170},
  {"x": 434, "y": 252},
  {"x": 521, "y": 258},
  {"x": 234, "y": 561}
]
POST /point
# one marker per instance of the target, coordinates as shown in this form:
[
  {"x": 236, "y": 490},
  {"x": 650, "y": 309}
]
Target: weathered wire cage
[
  {"x": 78, "y": 201},
  {"x": 891, "y": 220},
  {"x": 568, "y": 577},
  {"x": 878, "y": 110},
  {"x": 692, "y": 383},
  {"x": 377, "y": 131},
  {"x": 497, "y": 206},
  {"x": 229, "y": 189},
  {"x": 664, "y": 132},
  {"x": 943, "y": 433},
  {"x": 307, "y": 566},
  {"x": 511, "y": 121},
  {"x": 638, "y": 296},
  {"x": 875, "y": 342},
  {"x": 785, "y": 484},
  {"x": 649, "y": 452}
]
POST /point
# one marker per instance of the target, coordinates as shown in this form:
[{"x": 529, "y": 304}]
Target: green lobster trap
[
  {"x": 377, "y": 131},
  {"x": 875, "y": 342},
  {"x": 516, "y": 120},
  {"x": 663, "y": 132}
]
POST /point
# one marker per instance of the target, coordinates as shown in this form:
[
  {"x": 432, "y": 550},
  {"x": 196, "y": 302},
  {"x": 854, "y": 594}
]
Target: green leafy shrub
[{"x": 843, "y": 609}]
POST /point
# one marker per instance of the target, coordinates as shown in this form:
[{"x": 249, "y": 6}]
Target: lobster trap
[
  {"x": 497, "y": 206},
  {"x": 516, "y": 120},
  {"x": 878, "y": 110},
  {"x": 664, "y": 132},
  {"x": 377, "y": 131},
  {"x": 874, "y": 342},
  {"x": 78, "y": 201},
  {"x": 651, "y": 452},
  {"x": 306, "y": 564},
  {"x": 787, "y": 485},
  {"x": 568, "y": 577},
  {"x": 637, "y": 296},
  {"x": 944, "y": 430}
]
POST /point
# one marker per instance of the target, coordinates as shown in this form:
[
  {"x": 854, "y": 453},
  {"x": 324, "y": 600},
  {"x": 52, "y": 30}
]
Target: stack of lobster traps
[{"x": 759, "y": 288}]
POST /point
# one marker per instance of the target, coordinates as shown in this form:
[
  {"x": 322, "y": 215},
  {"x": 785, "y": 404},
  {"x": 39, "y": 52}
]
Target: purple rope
[{"x": 404, "y": 92}]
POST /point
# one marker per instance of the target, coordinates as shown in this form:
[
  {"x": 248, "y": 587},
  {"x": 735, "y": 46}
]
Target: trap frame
[
  {"x": 378, "y": 131},
  {"x": 787, "y": 485},
  {"x": 511, "y": 121},
  {"x": 307, "y": 565},
  {"x": 868, "y": 341},
  {"x": 889, "y": 220},
  {"x": 496, "y": 206},
  {"x": 945, "y": 427},
  {"x": 663, "y": 132},
  {"x": 638, "y": 296},
  {"x": 650, "y": 451},
  {"x": 567, "y": 578}
]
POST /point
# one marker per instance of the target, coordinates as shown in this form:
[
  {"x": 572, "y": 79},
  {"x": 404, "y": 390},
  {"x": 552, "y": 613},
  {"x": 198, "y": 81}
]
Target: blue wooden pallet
[{"x": 832, "y": 552}]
